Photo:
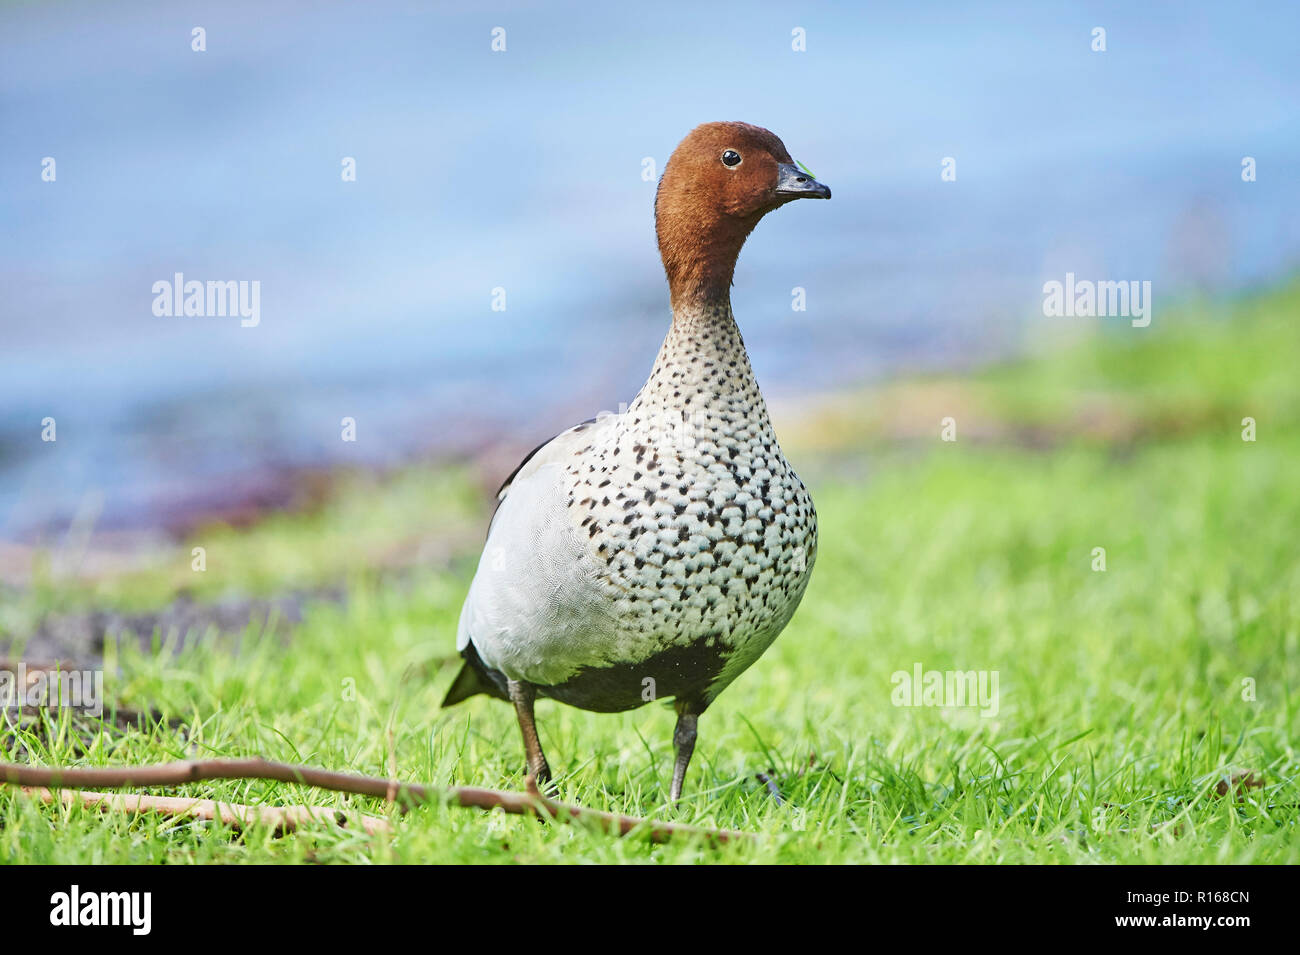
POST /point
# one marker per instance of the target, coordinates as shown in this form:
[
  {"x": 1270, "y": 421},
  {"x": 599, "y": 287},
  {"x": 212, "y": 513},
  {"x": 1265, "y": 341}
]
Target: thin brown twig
[
  {"x": 237, "y": 815},
  {"x": 189, "y": 771}
]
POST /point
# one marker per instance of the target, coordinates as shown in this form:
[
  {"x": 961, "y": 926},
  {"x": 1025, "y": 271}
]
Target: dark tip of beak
[{"x": 793, "y": 182}]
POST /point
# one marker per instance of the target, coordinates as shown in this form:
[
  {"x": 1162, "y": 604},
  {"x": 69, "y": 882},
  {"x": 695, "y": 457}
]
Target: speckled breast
[{"x": 702, "y": 534}]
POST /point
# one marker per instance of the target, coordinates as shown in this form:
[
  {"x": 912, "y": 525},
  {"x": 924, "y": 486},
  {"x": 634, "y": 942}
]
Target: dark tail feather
[{"x": 472, "y": 680}]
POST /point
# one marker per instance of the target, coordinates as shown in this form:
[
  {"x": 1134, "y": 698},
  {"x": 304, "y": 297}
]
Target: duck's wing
[
  {"x": 547, "y": 450},
  {"x": 533, "y": 588}
]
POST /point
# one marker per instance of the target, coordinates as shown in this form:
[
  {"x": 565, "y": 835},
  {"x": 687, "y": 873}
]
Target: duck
[{"x": 655, "y": 554}]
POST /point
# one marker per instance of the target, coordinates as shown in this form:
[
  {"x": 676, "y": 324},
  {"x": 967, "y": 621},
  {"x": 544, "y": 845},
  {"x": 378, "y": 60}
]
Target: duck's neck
[
  {"x": 699, "y": 251},
  {"x": 703, "y": 368}
]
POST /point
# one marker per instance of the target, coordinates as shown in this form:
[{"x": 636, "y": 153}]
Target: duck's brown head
[{"x": 720, "y": 180}]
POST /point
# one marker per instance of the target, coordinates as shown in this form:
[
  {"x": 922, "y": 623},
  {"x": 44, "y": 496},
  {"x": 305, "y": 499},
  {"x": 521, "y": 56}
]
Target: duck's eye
[{"x": 731, "y": 158}]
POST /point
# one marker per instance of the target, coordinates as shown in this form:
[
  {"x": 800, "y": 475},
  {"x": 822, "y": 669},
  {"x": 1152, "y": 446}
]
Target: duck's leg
[
  {"x": 683, "y": 744},
  {"x": 522, "y": 696}
]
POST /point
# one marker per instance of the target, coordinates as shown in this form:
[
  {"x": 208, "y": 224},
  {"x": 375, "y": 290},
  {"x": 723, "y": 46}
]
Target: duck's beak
[{"x": 794, "y": 183}]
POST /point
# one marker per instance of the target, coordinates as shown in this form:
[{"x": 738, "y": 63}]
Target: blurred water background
[{"x": 523, "y": 170}]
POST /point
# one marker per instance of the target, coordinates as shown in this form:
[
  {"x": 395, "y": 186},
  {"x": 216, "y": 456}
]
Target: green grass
[{"x": 1121, "y": 692}]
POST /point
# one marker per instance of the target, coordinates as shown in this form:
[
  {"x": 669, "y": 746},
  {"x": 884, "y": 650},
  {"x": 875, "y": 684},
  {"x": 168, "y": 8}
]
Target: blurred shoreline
[
  {"x": 896, "y": 411},
  {"x": 242, "y": 486}
]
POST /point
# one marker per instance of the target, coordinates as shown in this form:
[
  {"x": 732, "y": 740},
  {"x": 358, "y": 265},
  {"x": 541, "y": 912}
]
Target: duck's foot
[{"x": 541, "y": 788}]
